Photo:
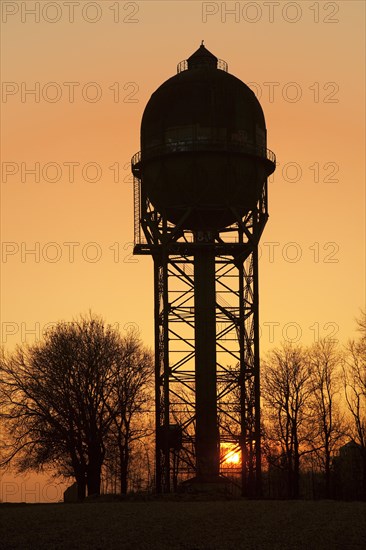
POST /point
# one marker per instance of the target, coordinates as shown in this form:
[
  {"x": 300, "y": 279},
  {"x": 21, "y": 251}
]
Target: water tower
[{"x": 200, "y": 197}]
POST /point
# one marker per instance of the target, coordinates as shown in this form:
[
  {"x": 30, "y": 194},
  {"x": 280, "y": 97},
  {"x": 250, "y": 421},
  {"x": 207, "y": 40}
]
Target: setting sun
[
  {"x": 232, "y": 458},
  {"x": 230, "y": 455}
]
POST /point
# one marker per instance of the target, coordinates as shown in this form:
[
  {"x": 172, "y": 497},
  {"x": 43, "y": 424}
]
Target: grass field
[{"x": 205, "y": 525}]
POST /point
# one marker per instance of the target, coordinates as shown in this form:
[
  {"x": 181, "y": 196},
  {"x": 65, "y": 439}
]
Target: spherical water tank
[{"x": 203, "y": 157}]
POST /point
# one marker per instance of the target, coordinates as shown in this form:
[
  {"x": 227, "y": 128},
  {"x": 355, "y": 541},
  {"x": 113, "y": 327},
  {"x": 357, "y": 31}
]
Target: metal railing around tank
[
  {"x": 201, "y": 145},
  {"x": 183, "y": 65}
]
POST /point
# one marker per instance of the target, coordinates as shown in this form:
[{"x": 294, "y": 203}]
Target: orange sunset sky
[{"x": 92, "y": 67}]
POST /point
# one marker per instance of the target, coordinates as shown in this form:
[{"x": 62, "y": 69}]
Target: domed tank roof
[
  {"x": 203, "y": 144},
  {"x": 202, "y": 94}
]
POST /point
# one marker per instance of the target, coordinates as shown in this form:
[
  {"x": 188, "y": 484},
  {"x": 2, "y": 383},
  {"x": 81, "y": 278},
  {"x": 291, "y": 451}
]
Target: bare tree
[
  {"x": 57, "y": 398},
  {"x": 131, "y": 396},
  {"x": 286, "y": 391},
  {"x": 354, "y": 376},
  {"x": 325, "y": 360}
]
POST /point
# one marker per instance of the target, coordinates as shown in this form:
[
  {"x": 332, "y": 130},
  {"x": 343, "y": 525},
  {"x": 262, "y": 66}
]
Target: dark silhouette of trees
[
  {"x": 79, "y": 402},
  {"x": 286, "y": 391},
  {"x": 131, "y": 396},
  {"x": 60, "y": 400},
  {"x": 305, "y": 416},
  {"x": 325, "y": 360},
  {"x": 354, "y": 377}
]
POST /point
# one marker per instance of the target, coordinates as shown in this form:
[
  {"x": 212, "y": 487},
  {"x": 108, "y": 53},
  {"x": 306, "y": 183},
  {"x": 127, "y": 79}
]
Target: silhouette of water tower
[{"x": 200, "y": 197}]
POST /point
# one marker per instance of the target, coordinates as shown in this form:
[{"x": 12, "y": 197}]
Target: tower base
[{"x": 216, "y": 486}]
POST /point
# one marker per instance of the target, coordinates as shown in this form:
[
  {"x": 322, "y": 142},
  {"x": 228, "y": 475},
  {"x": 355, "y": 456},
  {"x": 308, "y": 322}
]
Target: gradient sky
[{"x": 305, "y": 60}]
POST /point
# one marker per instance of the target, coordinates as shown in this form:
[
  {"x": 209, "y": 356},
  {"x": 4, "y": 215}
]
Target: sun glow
[{"x": 231, "y": 456}]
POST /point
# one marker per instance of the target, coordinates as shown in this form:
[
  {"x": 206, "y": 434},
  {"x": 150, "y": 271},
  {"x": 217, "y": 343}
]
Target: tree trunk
[
  {"x": 290, "y": 473},
  {"x": 296, "y": 486},
  {"x": 94, "y": 481},
  {"x": 363, "y": 495},
  {"x": 124, "y": 459},
  {"x": 81, "y": 483},
  {"x": 94, "y": 472},
  {"x": 327, "y": 471},
  {"x": 80, "y": 478}
]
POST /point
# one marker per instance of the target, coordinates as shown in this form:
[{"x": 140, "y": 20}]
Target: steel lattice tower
[{"x": 205, "y": 251}]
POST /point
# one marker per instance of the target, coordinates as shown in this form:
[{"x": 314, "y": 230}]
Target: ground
[{"x": 190, "y": 525}]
